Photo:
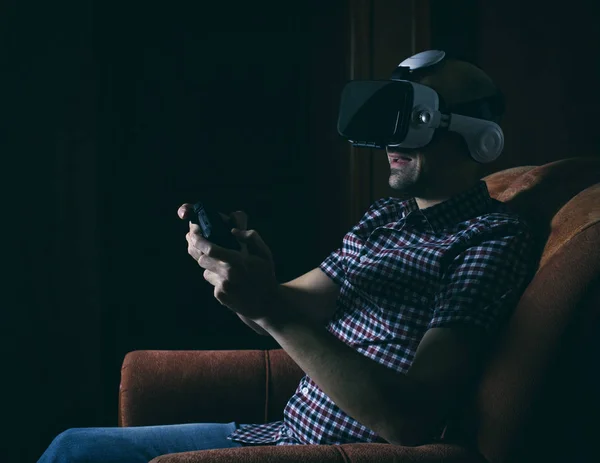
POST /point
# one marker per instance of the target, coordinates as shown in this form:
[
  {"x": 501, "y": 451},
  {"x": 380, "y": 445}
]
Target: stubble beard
[{"x": 402, "y": 181}]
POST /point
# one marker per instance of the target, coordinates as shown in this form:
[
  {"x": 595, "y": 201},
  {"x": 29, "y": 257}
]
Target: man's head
[{"x": 443, "y": 167}]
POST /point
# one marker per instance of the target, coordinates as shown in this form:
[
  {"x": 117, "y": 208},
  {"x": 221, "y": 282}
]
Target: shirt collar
[{"x": 463, "y": 206}]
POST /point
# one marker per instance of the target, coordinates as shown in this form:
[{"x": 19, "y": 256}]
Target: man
[{"x": 390, "y": 329}]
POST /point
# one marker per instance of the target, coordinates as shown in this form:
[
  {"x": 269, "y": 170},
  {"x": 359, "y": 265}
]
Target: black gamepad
[{"x": 213, "y": 227}]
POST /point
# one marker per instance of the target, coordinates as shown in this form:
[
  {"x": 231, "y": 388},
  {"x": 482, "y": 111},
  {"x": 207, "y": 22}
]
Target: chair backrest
[{"x": 561, "y": 201}]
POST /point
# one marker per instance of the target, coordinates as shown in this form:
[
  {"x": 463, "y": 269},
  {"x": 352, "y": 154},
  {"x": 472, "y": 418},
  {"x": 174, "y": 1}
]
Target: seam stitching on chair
[
  {"x": 122, "y": 391},
  {"x": 578, "y": 231},
  {"x": 342, "y": 453},
  {"x": 267, "y": 380},
  {"x": 121, "y": 405}
]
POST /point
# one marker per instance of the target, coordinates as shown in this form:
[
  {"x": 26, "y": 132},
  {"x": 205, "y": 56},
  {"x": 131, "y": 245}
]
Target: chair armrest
[
  {"x": 171, "y": 387},
  {"x": 347, "y": 453}
]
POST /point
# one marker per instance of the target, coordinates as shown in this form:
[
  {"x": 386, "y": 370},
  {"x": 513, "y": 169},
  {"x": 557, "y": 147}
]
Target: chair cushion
[
  {"x": 561, "y": 201},
  {"x": 539, "y": 192}
]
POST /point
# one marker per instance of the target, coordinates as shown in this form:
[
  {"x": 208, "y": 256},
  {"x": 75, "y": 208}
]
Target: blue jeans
[{"x": 136, "y": 444}]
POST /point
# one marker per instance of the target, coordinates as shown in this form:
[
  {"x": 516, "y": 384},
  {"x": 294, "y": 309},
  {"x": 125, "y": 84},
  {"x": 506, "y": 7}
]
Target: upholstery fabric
[
  {"x": 539, "y": 359},
  {"x": 356, "y": 453},
  {"x": 563, "y": 205}
]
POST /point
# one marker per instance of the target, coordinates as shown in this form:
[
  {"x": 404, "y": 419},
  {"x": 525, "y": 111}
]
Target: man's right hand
[
  {"x": 314, "y": 294},
  {"x": 237, "y": 219},
  {"x": 185, "y": 211}
]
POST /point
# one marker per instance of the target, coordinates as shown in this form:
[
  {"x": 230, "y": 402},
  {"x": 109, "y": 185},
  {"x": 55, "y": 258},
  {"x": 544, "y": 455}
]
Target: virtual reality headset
[{"x": 405, "y": 114}]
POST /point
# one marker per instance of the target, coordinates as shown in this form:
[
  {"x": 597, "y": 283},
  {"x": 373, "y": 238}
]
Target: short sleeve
[
  {"x": 379, "y": 213},
  {"x": 334, "y": 267},
  {"x": 484, "y": 283}
]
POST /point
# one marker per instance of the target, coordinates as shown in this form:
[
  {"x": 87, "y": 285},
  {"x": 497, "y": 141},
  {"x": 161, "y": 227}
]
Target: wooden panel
[
  {"x": 111, "y": 129},
  {"x": 332, "y": 165},
  {"x": 361, "y": 67},
  {"x": 421, "y": 25},
  {"x": 542, "y": 58},
  {"x": 384, "y": 32},
  {"x": 394, "y": 39},
  {"x": 401, "y": 30}
]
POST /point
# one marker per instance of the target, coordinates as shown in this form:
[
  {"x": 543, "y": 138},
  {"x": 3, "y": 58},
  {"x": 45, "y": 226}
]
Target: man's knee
[{"x": 73, "y": 445}]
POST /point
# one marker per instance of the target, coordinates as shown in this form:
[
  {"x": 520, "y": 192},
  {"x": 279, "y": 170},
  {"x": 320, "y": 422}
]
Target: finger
[
  {"x": 204, "y": 246},
  {"x": 185, "y": 211},
  {"x": 232, "y": 220},
  {"x": 221, "y": 296},
  {"x": 212, "y": 278},
  {"x": 255, "y": 243},
  {"x": 223, "y": 269},
  {"x": 243, "y": 248},
  {"x": 192, "y": 251},
  {"x": 240, "y": 219},
  {"x": 219, "y": 291},
  {"x": 210, "y": 263},
  {"x": 226, "y": 218}
]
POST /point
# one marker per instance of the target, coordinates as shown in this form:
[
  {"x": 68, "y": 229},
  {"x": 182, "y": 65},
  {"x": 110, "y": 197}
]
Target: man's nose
[{"x": 398, "y": 150}]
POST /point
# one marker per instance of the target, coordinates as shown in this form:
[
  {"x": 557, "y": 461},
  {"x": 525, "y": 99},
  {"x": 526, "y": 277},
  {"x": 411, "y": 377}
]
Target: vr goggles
[{"x": 405, "y": 114}]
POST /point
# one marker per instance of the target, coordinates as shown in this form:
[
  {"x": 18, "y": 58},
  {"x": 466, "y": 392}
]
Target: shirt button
[{"x": 304, "y": 390}]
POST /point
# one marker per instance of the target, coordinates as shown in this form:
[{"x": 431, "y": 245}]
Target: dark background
[
  {"x": 119, "y": 113},
  {"x": 115, "y": 113}
]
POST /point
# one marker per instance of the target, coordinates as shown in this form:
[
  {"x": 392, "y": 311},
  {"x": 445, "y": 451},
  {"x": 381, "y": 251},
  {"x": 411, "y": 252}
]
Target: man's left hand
[{"x": 244, "y": 281}]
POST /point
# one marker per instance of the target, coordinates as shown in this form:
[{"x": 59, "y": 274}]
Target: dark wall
[
  {"x": 117, "y": 113},
  {"x": 543, "y": 57}
]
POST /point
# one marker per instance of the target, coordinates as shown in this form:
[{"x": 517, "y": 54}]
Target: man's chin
[{"x": 401, "y": 185}]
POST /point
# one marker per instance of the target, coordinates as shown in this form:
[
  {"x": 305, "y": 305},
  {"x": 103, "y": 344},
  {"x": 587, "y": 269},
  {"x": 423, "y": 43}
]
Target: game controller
[{"x": 213, "y": 227}]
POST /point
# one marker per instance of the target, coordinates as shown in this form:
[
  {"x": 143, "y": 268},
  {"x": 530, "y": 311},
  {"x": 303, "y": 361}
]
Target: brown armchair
[{"x": 535, "y": 400}]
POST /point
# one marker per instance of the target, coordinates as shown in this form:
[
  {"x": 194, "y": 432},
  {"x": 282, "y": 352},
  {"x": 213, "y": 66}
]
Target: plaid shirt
[{"x": 402, "y": 271}]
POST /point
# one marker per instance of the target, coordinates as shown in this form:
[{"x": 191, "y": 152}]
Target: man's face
[
  {"x": 405, "y": 168},
  {"x": 416, "y": 172}
]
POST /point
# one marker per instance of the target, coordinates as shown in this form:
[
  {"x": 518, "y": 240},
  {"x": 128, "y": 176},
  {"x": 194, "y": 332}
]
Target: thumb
[
  {"x": 255, "y": 243},
  {"x": 185, "y": 211}
]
